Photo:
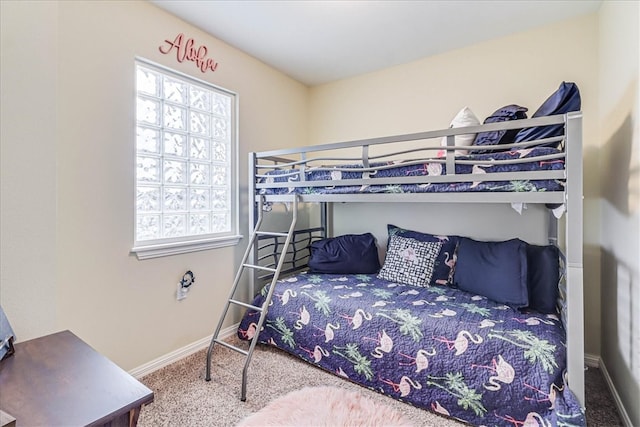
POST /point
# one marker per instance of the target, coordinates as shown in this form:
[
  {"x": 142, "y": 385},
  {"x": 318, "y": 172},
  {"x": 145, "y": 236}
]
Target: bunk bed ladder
[{"x": 267, "y": 301}]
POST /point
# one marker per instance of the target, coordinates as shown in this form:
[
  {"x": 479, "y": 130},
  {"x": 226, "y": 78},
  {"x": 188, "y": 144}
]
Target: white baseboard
[
  {"x": 616, "y": 397},
  {"x": 180, "y": 353},
  {"x": 591, "y": 360}
]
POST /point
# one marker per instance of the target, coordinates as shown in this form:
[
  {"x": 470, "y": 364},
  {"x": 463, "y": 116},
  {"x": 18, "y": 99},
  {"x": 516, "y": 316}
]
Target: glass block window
[{"x": 185, "y": 158}]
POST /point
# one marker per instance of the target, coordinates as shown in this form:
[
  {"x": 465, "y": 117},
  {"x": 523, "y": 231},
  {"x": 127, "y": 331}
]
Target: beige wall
[
  {"x": 28, "y": 144},
  {"x": 68, "y": 173},
  {"x": 619, "y": 154},
  {"x": 424, "y": 95}
]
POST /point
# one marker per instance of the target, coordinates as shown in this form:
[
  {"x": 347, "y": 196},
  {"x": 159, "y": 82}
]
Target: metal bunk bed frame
[{"x": 571, "y": 197}]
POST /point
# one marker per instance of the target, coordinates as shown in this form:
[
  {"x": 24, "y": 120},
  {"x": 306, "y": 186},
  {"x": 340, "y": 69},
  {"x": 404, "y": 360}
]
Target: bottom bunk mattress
[{"x": 438, "y": 348}]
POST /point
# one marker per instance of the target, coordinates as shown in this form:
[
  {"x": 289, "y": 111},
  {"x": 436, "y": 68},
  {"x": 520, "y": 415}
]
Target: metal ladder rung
[
  {"x": 259, "y": 267},
  {"x": 244, "y": 304},
  {"x": 254, "y": 246},
  {"x": 231, "y": 347},
  {"x": 271, "y": 233}
]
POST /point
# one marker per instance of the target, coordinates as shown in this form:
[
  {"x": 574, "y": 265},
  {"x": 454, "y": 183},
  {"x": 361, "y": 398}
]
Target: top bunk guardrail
[{"x": 408, "y": 168}]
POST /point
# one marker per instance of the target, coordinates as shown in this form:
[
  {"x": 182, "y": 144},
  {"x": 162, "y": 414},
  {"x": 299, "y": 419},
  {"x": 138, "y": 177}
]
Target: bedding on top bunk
[
  {"x": 439, "y": 348},
  {"x": 564, "y": 100},
  {"x": 428, "y": 169}
]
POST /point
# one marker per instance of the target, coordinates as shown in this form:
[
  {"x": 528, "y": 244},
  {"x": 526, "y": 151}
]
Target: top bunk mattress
[
  {"x": 522, "y": 170},
  {"x": 431, "y": 166}
]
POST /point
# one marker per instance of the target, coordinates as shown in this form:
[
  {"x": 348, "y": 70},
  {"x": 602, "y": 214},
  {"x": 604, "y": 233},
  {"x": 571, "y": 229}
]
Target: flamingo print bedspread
[
  {"x": 437, "y": 348},
  {"x": 430, "y": 169}
]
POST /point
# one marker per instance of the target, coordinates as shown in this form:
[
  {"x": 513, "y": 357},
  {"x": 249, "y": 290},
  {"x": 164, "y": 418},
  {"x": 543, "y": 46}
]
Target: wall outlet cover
[{"x": 181, "y": 293}]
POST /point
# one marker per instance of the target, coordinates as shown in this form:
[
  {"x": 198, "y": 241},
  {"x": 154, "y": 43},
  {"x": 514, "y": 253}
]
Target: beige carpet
[{"x": 184, "y": 398}]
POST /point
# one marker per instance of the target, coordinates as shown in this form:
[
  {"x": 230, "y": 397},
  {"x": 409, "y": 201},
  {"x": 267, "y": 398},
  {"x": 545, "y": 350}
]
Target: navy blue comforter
[
  {"x": 430, "y": 169},
  {"x": 437, "y": 348}
]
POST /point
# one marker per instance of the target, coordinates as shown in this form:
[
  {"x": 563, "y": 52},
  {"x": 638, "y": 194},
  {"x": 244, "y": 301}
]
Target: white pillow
[{"x": 464, "y": 118}]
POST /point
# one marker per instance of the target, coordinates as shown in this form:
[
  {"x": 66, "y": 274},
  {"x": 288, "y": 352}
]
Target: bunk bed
[{"x": 423, "y": 344}]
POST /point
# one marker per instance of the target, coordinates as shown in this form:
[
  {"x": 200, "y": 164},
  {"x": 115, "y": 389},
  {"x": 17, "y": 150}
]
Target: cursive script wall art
[{"x": 187, "y": 51}]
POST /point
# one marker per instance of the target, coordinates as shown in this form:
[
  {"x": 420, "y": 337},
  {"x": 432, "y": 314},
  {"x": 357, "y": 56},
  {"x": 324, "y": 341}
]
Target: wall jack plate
[{"x": 181, "y": 293}]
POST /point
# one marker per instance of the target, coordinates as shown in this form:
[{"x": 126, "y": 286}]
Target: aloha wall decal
[{"x": 186, "y": 50}]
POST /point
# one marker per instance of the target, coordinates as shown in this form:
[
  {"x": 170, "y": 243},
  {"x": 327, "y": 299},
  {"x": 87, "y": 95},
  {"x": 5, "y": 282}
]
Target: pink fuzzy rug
[{"x": 324, "y": 406}]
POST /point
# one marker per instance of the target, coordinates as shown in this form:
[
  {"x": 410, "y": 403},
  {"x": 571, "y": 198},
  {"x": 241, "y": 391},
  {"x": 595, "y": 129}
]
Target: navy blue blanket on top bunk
[
  {"x": 428, "y": 169},
  {"x": 438, "y": 348}
]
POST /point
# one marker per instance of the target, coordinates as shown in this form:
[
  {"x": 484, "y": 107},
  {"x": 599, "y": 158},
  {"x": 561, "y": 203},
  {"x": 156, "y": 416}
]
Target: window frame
[{"x": 145, "y": 249}]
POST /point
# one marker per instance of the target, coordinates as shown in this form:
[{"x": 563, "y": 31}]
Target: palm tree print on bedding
[{"x": 438, "y": 348}]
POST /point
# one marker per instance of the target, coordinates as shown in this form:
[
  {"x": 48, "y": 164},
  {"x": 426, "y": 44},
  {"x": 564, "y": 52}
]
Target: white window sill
[{"x": 176, "y": 248}]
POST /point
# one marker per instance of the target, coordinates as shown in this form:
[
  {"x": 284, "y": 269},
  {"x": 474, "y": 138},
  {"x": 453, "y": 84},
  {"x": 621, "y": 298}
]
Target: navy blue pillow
[
  {"x": 445, "y": 261},
  {"x": 543, "y": 266},
  {"x": 347, "y": 254},
  {"x": 509, "y": 112},
  {"x": 496, "y": 270},
  {"x": 563, "y": 100}
]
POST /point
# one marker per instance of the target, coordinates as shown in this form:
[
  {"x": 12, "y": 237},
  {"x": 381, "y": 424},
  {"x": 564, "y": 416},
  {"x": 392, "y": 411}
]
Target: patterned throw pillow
[
  {"x": 445, "y": 262},
  {"x": 409, "y": 261}
]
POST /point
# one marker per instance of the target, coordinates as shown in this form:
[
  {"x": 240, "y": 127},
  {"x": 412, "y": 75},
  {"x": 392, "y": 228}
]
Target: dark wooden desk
[{"x": 59, "y": 380}]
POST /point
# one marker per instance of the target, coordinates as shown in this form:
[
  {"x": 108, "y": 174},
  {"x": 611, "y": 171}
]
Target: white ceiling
[{"x": 317, "y": 42}]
